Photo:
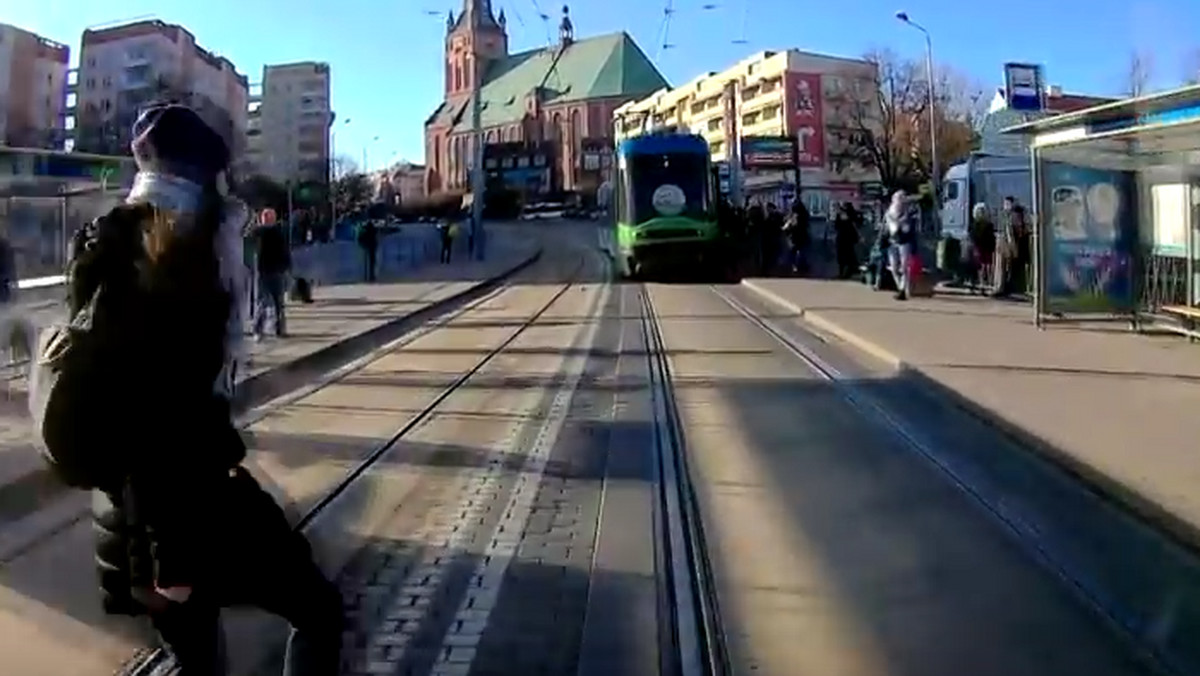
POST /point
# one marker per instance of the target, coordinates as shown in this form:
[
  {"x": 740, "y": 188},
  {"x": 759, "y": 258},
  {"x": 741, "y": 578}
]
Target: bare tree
[
  {"x": 342, "y": 165},
  {"x": 887, "y": 121},
  {"x": 1139, "y": 73}
]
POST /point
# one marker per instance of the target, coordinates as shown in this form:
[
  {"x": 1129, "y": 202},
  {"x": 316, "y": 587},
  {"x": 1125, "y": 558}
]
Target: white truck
[{"x": 986, "y": 179}]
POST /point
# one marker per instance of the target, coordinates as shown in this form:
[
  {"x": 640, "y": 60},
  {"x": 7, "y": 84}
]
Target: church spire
[{"x": 478, "y": 13}]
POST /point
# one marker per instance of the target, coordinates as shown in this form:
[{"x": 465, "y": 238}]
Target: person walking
[
  {"x": 273, "y": 260},
  {"x": 368, "y": 239},
  {"x": 447, "y": 230},
  {"x": 8, "y": 268},
  {"x": 183, "y": 529},
  {"x": 845, "y": 239},
  {"x": 902, "y": 236},
  {"x": 982, "y": 237}
]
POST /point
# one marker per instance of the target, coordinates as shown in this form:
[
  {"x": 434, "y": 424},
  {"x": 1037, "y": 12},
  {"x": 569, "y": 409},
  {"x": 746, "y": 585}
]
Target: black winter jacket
[{"x": 153, "y": 526}]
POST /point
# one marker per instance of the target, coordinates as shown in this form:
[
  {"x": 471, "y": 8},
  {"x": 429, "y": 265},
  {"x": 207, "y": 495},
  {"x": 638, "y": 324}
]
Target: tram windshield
[{"x": 675, "y": 184}]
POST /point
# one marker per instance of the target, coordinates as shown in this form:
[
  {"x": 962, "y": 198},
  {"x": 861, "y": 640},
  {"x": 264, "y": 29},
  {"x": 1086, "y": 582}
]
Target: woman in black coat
[{"x": 183, "y": 529}]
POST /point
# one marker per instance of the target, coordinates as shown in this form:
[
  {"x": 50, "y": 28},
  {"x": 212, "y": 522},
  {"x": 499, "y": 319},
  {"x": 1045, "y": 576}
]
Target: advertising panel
[
  {"x": 1091, "y": 238},
  {"x": 805, "y": 116},
  {"x": 768, "y": 152}
]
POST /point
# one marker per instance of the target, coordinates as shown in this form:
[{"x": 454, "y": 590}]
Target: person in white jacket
[{"x": 902, "y": 239}]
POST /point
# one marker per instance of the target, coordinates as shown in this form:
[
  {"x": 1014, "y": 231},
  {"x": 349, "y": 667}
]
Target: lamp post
[
  {"x": 367, "y": 168},
  {"x": 933, "y": 151},
  {"x": 332, "y": 177}
]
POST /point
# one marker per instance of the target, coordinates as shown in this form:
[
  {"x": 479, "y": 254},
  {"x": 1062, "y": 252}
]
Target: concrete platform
[{"x": 1116, "y": 408}]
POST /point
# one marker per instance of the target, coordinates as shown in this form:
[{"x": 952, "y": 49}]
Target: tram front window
[{"x": 667, "y": 185}]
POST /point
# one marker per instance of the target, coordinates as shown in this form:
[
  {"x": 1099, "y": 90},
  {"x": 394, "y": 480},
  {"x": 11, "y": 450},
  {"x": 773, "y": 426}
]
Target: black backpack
[{"x": 81, "y": 365}]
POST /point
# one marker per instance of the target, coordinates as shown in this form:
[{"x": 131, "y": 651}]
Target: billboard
[
  {"x": 768, "y": 152},
  {"x": 803, "y": 105}
]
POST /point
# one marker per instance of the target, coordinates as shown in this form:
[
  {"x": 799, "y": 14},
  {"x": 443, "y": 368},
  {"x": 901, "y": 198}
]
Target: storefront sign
[
  {"x": 804, "y": 107},
  {"x": 1091, "y": 237},
  {"x": 1024, "y": 87}
]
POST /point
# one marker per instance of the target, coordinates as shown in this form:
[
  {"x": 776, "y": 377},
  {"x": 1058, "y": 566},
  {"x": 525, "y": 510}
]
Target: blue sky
[{"x": 386, "y": 54}]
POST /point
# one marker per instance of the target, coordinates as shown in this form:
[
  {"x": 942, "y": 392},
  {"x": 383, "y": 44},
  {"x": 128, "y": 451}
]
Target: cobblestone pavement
[{"x": 49, "y": 596}]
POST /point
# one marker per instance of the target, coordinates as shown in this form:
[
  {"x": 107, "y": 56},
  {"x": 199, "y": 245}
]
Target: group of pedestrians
[
  {"x": 999, "y": 258},
  {"x": 763, "y": 237},
  {"x": 133, "y": 401}
]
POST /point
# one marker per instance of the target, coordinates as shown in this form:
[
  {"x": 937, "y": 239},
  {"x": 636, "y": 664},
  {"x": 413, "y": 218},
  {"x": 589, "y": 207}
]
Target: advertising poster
[
  {"x": 1091, "y": 236},
  {"x": 803, "y": 104},
  {"x": 768, "y": 152}
]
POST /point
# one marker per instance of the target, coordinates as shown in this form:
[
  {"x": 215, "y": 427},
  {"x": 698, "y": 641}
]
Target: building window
[
  {"x": 91, "y": 84},
  {"x": 576, "y": 127}
]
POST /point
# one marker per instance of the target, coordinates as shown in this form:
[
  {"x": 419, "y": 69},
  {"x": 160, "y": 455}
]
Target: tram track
[{"x": 692, "y": 642}]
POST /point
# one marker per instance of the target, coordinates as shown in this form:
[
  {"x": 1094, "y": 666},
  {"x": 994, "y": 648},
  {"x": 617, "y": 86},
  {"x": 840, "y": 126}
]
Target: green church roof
[{"x": 606, "y": 66}]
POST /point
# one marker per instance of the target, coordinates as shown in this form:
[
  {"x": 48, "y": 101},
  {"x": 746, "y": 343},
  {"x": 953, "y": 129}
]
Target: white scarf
[{"x": 181, "y": 197}]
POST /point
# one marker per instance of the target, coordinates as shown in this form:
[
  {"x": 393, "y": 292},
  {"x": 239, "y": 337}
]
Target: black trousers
[
  {"x": 262, "y": 563},
  {"x": 370, "y": 253}
]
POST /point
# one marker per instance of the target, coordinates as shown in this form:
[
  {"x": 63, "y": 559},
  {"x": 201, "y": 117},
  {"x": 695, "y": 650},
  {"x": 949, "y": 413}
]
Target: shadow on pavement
[{"x": 913, "y": 568}]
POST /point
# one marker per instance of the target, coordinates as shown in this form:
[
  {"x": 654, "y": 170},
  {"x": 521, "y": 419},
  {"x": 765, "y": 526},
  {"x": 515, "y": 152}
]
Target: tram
[{"x": 664, "y": 205}]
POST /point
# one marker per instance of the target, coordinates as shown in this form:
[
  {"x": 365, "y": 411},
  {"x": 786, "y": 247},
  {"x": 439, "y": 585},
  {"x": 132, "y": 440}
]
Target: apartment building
[
  {"x": 33, "y": 89},
  {"x": 289, "y": 132},
  {"x": 825, "y": 102},
  {"x": 124, "y": 68}
]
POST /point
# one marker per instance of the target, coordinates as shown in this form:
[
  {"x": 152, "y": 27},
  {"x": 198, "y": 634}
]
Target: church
[{"x": 547, "y": 112}]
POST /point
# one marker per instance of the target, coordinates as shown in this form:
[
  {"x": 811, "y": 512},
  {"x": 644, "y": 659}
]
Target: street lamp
[
  {"x": 332, "y": 177},
  {"x": 366, "y": 168},
  {"x": 933, "y": 152}
]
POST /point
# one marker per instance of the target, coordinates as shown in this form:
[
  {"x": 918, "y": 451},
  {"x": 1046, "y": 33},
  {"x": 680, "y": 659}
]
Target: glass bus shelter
[{"x": 1117, "y": 203}]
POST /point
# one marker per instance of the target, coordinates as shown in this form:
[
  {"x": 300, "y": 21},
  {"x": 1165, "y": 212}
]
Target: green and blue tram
[{"x": 664, "y": 205}]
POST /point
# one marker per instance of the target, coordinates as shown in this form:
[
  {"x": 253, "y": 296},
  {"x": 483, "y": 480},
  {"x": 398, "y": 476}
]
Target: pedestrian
[
  {"x": 982, "y": 237},
  {"x": 845, "y": 239},
  {"x": 798, "y": 231},
  {"x": 447, "y": 229},
  {"x": 273, "y": 261},
  {"x": 8, "y": 268},
  {"x": 772, "y": 241},
  {"x": 183, "y": 528},
  {"x": 1013, "y": 250},
  {"x": 368, "y": 239},
  {"x": 902, "y": 236}
]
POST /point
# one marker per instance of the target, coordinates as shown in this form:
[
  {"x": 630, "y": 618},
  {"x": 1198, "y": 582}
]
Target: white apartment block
[
  {"x": 33, "y": 89},
  {"x": 124, "y": 68},
  {"x": 289, "y": 130},
  {"x": 823, "y": 101}
]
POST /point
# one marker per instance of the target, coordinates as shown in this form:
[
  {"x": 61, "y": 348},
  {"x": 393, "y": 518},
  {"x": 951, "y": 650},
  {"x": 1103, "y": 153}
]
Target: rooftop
[
  {"x": 1161, "y": 108},
  {"x": 606, "y": 66}
]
